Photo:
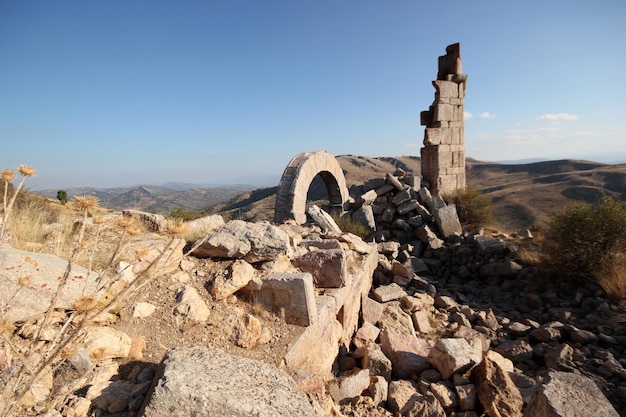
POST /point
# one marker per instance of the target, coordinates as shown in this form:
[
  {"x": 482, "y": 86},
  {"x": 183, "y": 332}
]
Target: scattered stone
[
  {"x": 448, "y": 222},
  {"x": 143, "y": 310},
  {"x": 152, "y": 222},
  {"x": 378, "y": 390},
  {"x": 377, "y": 363},
  {"x": 489, "y": 245},
  {"x": 408, "y": 354},
  {"x": 344, "y": 389},
  {"x": 191, "y": 306},
  {"x": 423, "y": 405},
  {"x": 450, "y": 356},
  {"x": 36, "y": 269},
  {"x": 328, "y": 267},
  {"x": 247, "y": 331},
  {"x": 466, "y": 395},
  {"x": 389, "y": 292},
  {"x": 401, "y": 392},
  {"x": 496, "y": 391},
  {"x": 204, "y": 225},
  {"x": 323, "y": 219},
  {"x": 103, "y": 342},
  {"x": 237, "y": 276},
  {"x": 515, "y": 350}
]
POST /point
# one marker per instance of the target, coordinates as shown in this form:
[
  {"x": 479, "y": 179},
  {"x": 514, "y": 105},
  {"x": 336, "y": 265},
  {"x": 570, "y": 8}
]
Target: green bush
[
  {"x": 346, "y": 224},
  {"x": 582, "y": 240},
  {"x": 184, "y": 214},
  {"x": 474, "y": 209},
  {"x": 62, "y": 196}
]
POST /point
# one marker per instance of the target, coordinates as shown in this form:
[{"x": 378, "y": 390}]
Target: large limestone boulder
[
  {"x": 30, "y": 280},
  {"x": 196, "y": 381},
  {"x": 152, "y": 222},
  {"x": 204, "y": 225},
  {"x": 567, "y": 394},
  {"x": 253, "y": 242}
]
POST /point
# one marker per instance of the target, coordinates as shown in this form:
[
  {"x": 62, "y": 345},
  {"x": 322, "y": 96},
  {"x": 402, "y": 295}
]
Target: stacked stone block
[{"x": 443, "y": 154}]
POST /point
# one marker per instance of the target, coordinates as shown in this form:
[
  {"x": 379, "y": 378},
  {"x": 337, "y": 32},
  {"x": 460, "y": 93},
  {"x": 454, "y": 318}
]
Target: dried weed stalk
[{"x": 25, "y": 367}]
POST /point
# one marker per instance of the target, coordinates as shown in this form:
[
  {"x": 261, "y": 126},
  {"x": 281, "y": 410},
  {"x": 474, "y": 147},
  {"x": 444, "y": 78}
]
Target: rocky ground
[{"x": 454, "y": 325}]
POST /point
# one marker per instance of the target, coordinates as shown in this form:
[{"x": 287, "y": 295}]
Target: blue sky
[{"x": 113, "y": 93}]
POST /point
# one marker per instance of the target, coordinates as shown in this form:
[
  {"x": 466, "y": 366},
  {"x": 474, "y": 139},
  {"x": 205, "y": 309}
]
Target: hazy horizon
[{"x": 265, "y": 181}]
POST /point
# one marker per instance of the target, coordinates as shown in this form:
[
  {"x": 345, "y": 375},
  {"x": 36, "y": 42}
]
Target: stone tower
[{"x": 443, "y": 154}]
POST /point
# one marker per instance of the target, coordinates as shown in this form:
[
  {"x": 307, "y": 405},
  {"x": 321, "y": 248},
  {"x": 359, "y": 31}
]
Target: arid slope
[{"x": 524, "y": 195}]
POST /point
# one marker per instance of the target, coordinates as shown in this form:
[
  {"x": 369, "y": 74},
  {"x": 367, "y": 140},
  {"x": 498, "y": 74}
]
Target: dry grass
[
  {"x": 28, "y": 363},
  {"x": 583, "y": 240},
  {"x": 531, "y": 256},
  {"x": 612, "y": 276},
  {"x": 474, "y": 209},
  {"x": 347, "y": 225}
]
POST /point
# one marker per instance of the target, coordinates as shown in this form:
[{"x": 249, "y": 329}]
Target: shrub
[
  {"x": 346, "y": 224},
  {"x": 588, "y": 242},
  {"x": 474, "y": 209},
  {"x": 183, "y": 214},
  {"x": 62, "y": 196}
]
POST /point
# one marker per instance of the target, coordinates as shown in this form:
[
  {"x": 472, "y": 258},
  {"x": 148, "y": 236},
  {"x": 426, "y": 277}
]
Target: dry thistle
[
  {"x": 128, "y": 225},
  {"x": 175, "y": 228},
  {"x": 85, "y": 203},
  {"x": 27, "y": 171},
  {"x": 85, "y": 304},
  {"x": 6, "y": 326},
  {"x": 134, "y": 230},
  {"x": 98, "y": 220},
  {"x": 8, "y": 175},
  {"x": 125, "y": 222}
]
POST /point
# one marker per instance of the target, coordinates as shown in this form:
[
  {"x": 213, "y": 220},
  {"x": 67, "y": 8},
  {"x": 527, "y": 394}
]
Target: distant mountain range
[
  {"x": 158, "y": 199},
  {"x": 523, "y": 194}
]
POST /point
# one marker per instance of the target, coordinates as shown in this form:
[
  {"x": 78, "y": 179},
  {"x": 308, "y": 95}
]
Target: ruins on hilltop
[{"x": 443, "y": 154}]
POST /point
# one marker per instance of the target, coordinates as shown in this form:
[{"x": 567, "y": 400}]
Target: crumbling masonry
[{"x": 443, "y": 154}]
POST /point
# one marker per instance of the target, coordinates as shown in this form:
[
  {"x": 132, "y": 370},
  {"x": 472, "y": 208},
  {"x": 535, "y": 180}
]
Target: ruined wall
[{"x": 443, "y": 154}]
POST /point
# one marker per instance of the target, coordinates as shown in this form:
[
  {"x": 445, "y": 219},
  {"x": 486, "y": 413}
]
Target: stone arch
[{"x": 296, "y": 180}]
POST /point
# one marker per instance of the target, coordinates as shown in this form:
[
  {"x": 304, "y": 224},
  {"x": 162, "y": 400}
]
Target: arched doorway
[{"x": 293, "y": 187}]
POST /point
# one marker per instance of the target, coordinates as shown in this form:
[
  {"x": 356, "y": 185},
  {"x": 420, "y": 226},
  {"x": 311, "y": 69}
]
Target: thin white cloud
[
  {"x": 467, "y": 115},
  {"x": 486, "y": 115},
  {"x": 413, "y": 145},
  {"x": 553, "y": 117}
]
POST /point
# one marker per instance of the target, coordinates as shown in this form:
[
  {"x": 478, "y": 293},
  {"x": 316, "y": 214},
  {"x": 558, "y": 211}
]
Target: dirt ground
[{"x": 163, "y": 329}]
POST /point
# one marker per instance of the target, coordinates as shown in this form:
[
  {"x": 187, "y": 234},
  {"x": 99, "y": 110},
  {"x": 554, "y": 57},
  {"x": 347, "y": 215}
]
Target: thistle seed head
[
  {"x": 8, "y": 175},
  {"x": 27, "y": 171},
  {"x": 85, "y": 203},
  {"x": 85, "y": 304},
  {"x": 98, "y": 220},
  {"x": 6, "y": 326}
]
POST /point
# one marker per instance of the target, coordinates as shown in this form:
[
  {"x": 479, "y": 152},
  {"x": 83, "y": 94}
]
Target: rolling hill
[{"x": 523, "y": 195}]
